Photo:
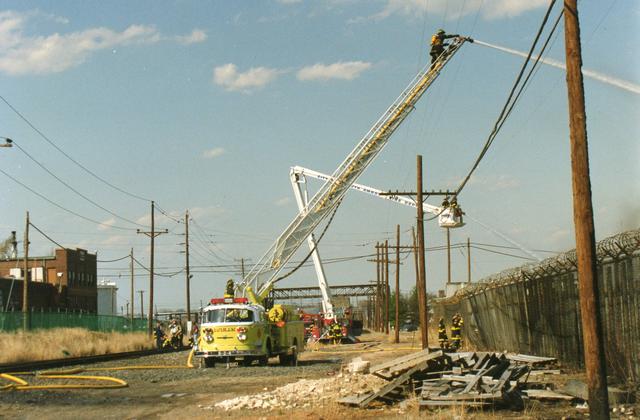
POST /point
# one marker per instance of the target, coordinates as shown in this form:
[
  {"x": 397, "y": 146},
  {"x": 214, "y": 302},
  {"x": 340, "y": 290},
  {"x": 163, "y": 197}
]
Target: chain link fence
[
  {"x": 535, "y": 308},
  {"x": 13, "y": 321}
]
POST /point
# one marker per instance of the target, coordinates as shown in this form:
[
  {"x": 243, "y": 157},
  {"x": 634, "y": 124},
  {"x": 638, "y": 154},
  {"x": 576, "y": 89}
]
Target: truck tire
[
  {"x": 284, "y": 359},
  {"x": 209, "y": 362},
  {"x": 290, "y": 359},
  {"x": 247, "y": 361},
  {"x": 263, "y": 360}
]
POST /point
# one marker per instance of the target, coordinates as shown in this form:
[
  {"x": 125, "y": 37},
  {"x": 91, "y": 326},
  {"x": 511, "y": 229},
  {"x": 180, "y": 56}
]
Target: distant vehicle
[{"x": 408, "y": 327}]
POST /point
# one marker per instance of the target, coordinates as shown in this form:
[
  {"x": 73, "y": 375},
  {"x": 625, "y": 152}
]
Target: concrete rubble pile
[
  {"x": 477, "y": 379},
  {"x": 309, "y": 392}
]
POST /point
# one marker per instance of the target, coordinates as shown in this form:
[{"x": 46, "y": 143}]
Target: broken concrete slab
[{"x": 579, "y": 389}]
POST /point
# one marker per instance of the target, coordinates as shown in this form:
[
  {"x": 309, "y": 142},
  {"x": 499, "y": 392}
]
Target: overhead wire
[
  {"x": 52, "y": 143},
  {"x": 508, "y": 106},
  {"x": 317, "y": 242},
  {"x": 66, "y": 184},
  {"x": 114, "y": 260},
  {"x": 88, "y": 219},
  {"x": 204, "y": 237},
  {"x": 158, "y": 274},
  {"x": 46, "y": 236}
]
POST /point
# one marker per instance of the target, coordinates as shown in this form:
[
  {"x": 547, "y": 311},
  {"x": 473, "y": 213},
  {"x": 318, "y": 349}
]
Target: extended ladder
[{"x": 264, "y": 273}]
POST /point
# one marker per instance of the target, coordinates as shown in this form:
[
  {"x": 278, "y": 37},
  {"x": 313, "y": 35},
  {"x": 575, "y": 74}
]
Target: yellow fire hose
[{"x": 20, "y": 384}]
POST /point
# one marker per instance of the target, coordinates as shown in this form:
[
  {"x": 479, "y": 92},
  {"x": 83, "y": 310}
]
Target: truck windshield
[{"x": 229, "y": 315}]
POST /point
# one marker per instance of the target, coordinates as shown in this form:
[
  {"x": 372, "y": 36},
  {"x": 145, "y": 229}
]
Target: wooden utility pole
[
  {"x": 188, "y": 276},
  {"x": 141, "y": 304},
  {"x": 422, "y": 290},
  {"x": 397, "y": 329},
  {"x": 417, "y": 270},
  {"x": 26, "y": 315},
  {"x": 387, "y": 290},
  {"x": 152, "y": 235},
  {"x": 132, "y": 284},
  {"x": 378, "y": 307},
  {"x": 242, "y": 267},
  {"x": 468, "y": 260},
  {"x": 583, "y": 220},
  {"x": 448, "y": 256}
]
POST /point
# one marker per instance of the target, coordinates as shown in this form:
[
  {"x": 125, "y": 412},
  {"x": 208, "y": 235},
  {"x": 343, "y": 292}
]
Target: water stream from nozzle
[{"x": 609, "y": 80}]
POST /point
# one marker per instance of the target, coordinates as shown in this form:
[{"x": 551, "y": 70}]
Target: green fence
[{"x": 13, "y": 321}]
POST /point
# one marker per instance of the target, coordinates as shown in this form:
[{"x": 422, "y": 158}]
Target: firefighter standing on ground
[
  {"x": 442, "y": 334},
  {"x": 438, "y": 44},
  {"x": 158, "y": 334},
  {"x": 456, "y": 331}
]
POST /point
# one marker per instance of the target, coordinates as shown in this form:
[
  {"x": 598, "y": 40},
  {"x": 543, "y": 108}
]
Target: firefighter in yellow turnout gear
[
  {"x": 438, "y": 44},
  {"x": 228, "y": 291},
  {"x": 456, "y": 331},
  {"x": 442, "y": 334}
]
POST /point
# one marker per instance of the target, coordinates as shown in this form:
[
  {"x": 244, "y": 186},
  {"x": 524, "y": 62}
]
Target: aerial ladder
[
  {"x": 259, "y": 281},
  {"x": 449, "y": 216}
]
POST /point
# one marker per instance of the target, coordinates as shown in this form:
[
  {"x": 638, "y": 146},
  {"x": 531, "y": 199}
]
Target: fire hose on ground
[{"x": 103, "y": 382}]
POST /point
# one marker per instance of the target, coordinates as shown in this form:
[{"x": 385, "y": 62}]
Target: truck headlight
[
  {"x": 208, "y": 338},
  {"x": 242, "y": 337}
]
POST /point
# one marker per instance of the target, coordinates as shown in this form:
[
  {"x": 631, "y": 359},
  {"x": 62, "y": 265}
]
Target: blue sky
[{"x": 206, "y": 105}]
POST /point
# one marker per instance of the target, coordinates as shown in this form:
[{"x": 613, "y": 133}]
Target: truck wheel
[
  {"x": 284, "y": 359},
  {"x": 263, "y": 360},
  {"x": 209, "y": 362},
  {"x": 247, "y": 361},
  {"x": 293, "y": 359}
]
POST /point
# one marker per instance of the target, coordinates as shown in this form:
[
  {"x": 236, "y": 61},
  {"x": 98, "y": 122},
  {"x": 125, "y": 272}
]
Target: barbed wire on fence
[{"x": 615, "y": 247}]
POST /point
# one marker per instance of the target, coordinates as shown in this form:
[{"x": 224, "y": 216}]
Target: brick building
[{"x": 73, "y": 274}]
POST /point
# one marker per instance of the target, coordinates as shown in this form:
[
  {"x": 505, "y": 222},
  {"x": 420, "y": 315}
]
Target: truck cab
[{"x": 234, "y": 330}]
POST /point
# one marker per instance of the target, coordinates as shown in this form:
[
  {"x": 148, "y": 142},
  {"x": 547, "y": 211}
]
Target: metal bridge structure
[{"x": 293, "y": 293}]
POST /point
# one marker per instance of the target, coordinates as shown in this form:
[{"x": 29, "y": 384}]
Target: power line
[
  {"x": 84, "y": 168},
  {"x": 46, "y": 236},
  {"x": 503, "y": 253},
  {"x": 167, "y": 215},
  {"x": 114, "y": 260},
  {"x": 508, "y": 106},
  {"x": 41, "y": 165},
  {"x": 158, "y": 274},
  {"x": 60, "y": 206},
  {"x": 513, "y": 247}
]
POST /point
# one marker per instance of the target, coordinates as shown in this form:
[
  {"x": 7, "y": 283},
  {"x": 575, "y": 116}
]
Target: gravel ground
[
  {"x": 158, "y": 392},
  {"x": 192, "y": 393}
]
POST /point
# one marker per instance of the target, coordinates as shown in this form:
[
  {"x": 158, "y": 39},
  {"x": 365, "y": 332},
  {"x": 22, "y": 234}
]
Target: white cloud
[
  {"x": 21, "y": 54},
  {"x": 454, "y": 9},
  {"x": 106, "y": 224},
  {"x": 213, "y": 153},
  {"x": 228, "y": 77},
  {"x": 283, "y": 201},
  {"x": 289, "y": 1},
  {"x": 116, "y": 240},
  {"x": 341, "y": 70},
  {"x": 197, "y": 35}
]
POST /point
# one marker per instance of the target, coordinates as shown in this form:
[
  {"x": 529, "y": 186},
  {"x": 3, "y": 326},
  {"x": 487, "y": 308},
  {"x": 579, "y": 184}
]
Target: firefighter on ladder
[
  {"x": 442, "y": 334},
  {"x": 438, "y": 44},
  {"x": 456, "y": 331},
  {"x": 229, "y": 292}
]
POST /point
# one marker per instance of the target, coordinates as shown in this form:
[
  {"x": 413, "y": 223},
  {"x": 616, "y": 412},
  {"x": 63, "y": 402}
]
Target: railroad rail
[{"x": 82, "y": 360}]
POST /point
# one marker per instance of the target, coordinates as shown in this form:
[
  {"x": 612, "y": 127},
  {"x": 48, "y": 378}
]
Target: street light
[{"x": 7, "y": 142}]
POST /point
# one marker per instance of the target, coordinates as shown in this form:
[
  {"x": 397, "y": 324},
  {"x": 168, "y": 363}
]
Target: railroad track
[{"x": 83, "y": 360}]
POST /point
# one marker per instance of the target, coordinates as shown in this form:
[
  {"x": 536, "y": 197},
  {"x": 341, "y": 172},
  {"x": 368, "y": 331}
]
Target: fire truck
[{"x": 241, "y": 330}]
